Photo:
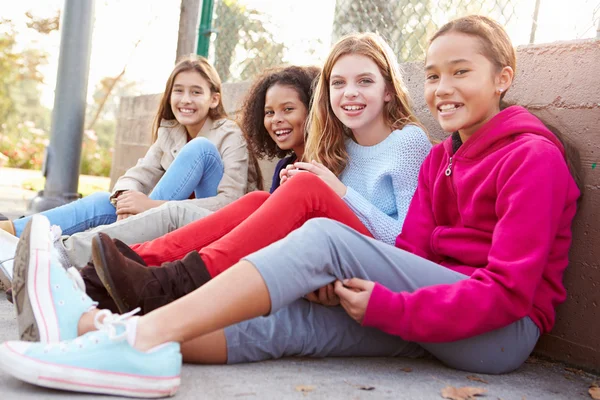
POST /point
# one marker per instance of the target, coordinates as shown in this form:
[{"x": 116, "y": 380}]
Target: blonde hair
[
  {"x": 208, "y": 72},
  {"x": 326, "y": 133}
]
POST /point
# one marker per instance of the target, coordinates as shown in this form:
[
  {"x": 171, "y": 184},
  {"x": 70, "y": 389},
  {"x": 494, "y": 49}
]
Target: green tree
[
  {"x": 408, "y": 24},
  {"x": 241, "y": 33}
]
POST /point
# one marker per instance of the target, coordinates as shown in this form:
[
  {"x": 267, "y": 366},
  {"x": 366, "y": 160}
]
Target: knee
[
  {"x": 304, "y": 181},
  {"x": 255, "y": 199},
  {"x": 199, "y": 146},
  {"x": 323, "y": 228}
]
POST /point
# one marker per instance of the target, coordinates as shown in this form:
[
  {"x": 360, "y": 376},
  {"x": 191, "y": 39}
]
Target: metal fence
[{"x": 251, "y": 35}]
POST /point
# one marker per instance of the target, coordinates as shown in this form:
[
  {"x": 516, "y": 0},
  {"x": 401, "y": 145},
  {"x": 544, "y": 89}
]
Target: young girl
[
  {"x": 381, "y": 176},
  {"x": 196, "y": 151},
  {"x": 358, "y": 83}
]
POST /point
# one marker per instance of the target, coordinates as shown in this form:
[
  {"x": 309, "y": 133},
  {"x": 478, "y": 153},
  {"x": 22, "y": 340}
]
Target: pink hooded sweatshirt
[{"x": 498, "y": 210}]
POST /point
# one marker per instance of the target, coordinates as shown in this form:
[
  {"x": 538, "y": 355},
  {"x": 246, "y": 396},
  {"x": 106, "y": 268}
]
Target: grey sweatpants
[
  {"x": 322, "y": 251},
  {"x": 77, "y": 249}
]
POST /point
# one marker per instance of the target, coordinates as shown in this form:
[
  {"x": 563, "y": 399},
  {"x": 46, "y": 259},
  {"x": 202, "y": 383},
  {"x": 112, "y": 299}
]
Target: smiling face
[
  {"x": 462, "y": 87},
  {"x": 191, "y": 99},
  {"x": 358, "y": 93},
  {"x": 285, "y": 117}
]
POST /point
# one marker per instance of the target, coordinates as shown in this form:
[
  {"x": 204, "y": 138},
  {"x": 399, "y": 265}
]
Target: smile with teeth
[
  {"x": 280, "y": 132},
  {"x": 353, "y": 108},
  {"x": 449, "y": 107},
  {"x": 186, "y": 111}
]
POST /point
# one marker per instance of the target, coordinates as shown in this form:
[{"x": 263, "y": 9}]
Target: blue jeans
[{"x": 198, "y": 168}]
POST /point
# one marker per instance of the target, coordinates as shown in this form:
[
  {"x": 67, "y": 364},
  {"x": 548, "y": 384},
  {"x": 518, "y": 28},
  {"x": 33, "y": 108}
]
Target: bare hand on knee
[
  {"x": 325, "y": 296},
  {"x": 354, "y": 296}
]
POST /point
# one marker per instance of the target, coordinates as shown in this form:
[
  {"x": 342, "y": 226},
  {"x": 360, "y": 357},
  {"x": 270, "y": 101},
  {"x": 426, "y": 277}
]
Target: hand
[
  {"x": 283, "y": 174},
  {"x": 123, "y": 216},
  {"x": 325, "y": 296},
  {"x": 132, "y": 203},
  {"x": 354, "y": 296},
  {"x": 322, "y": 172}
]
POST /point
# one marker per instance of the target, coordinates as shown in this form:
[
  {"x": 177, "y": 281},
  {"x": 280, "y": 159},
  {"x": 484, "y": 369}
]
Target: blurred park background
[{"x": 134, "y": 47}]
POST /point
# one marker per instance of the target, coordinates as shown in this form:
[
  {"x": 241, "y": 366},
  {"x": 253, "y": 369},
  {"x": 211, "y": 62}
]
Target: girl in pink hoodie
[{"x": 474, "y": 278}]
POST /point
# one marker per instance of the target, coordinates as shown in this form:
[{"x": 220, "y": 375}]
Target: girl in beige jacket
[{"x": 198, "y": 157}]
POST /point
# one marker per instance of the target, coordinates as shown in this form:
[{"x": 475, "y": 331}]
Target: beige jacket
[{"x": 172, "y": 136}]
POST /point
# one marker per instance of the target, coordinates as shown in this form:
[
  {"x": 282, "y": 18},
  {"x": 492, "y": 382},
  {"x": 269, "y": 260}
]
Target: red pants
[{"x": 250, "y": 224}]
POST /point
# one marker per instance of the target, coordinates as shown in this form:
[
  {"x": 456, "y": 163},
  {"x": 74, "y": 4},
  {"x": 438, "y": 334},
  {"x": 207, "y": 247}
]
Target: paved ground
[{"x": 314, "y": 379}]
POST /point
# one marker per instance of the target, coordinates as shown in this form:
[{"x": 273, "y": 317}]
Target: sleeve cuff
[{"x": 379, "y": 313}]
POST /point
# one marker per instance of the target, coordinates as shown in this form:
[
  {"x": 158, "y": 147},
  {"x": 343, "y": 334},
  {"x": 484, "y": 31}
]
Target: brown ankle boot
[
  {"x": 132, "y": 285},
  {"x": 93, "y": 285}
]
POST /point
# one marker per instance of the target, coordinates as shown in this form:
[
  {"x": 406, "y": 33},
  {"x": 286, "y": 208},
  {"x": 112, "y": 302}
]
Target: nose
[
  {"x": 277, "y": 117},
  {"x": 444, "y": 87},
  {"x": 185, "y": 98},
  {"x": 351, "y": 92}
]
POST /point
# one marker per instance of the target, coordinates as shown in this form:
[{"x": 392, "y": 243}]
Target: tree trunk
[{"x": 189, "y": 18}]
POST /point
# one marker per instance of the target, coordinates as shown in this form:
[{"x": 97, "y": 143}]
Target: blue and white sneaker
[
  {"x": 49, "y": 300},
  {"x": 102, "y": 361}
]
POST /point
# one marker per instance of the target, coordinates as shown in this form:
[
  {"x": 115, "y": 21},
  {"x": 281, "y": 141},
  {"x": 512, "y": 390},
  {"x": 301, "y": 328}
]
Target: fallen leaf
[
  {"x": 575, "y": 371},
  {"x": 463, "y": 393},
  {"x": 304, "y": 388},
  {"x": 475, "y": 378},
  {"x": 361, "y": 387},
  {"x": 594, "y": 392},
  {"x": 407, "y": 369}
]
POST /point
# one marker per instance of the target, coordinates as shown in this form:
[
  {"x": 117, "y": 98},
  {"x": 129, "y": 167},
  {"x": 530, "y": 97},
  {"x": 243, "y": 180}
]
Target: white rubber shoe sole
[
  {"x": 56, "y": 376},
  {"x": 32, "y": 297}
]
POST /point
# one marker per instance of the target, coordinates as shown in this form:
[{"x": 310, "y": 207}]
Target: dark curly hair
[{"x": 251, "y": 119}]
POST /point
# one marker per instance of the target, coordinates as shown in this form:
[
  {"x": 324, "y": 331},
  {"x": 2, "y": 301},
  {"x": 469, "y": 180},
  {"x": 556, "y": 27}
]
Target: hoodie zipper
[{"x": 449, "y": 169}]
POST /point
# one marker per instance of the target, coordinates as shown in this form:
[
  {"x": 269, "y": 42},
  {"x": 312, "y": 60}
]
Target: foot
[
  {"x": 128, "y": 282},
  {"x": 104, "y": 361},
  {"x": 49, "y": 300},
  {"x": 8, "y": 247}
]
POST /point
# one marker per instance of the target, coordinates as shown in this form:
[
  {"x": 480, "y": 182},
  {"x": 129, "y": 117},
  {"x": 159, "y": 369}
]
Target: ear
[
  {"x": 215, "y": 100},
  {"x": 505, "y": 78},
  {"x": 387, "y": 97}
]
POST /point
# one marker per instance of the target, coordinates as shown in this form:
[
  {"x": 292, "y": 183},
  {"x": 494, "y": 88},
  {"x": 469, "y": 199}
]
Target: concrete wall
[{"x": 560, "y": 83}]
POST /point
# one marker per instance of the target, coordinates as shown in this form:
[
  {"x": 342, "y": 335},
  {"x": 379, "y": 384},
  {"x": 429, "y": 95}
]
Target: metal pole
[
  {"x": 205, "y": 27},
  {"x": 535, "y": 22},
  {"x": 188, "y": 28},
  {"x": 61, "y": 166}
]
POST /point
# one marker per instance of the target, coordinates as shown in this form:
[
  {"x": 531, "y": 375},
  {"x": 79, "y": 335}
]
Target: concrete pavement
[{"x": 346, "y": 378}]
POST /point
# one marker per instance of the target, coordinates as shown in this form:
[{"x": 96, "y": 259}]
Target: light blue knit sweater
[{"x": 382, "y": 180}]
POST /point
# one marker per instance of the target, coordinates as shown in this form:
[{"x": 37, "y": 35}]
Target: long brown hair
[
  {"x": 497, "y": 47},
  {"x": 326, "y": 133},
  {"x": 208, "y": 72}
]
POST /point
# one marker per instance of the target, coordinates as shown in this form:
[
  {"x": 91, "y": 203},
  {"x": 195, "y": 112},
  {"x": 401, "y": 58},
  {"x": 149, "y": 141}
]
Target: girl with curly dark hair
[{"x": 274, "y": 115}]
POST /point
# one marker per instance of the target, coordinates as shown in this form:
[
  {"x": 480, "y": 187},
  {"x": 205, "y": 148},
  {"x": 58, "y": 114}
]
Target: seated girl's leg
[
  {"x": 198, "y": 169},
  {"x": 77, "y": 216},
  {"x": 176, "y": 244},
  {"x": 307, "y": 329},
  {"x": 223, "y": 240},
  {"x": 346, "y": 254}
]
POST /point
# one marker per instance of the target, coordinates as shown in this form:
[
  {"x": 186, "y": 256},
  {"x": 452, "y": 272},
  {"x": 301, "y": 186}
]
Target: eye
[
  {"x": 337, "y": 82},
  {"x": 269, "y": 112},
  {"x": 365, "y": 81},
  {"x": 288, "y": 109},
  {"x": 197, "y": 92},
  {"x": 177, "y": 90},
  {"x": 461, "y": 72},
  {"x": 432, "y": 77}
]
